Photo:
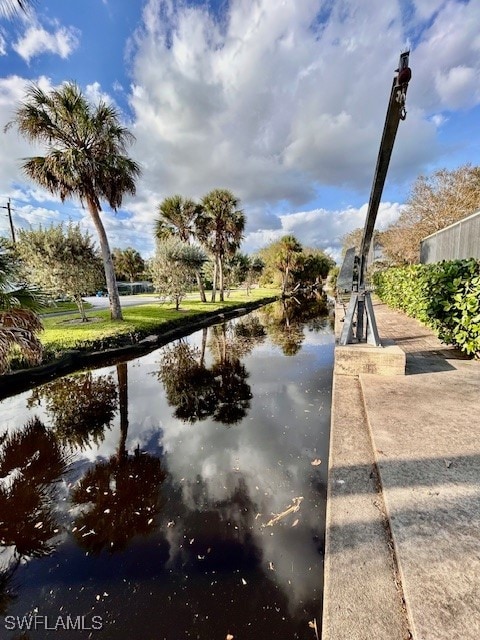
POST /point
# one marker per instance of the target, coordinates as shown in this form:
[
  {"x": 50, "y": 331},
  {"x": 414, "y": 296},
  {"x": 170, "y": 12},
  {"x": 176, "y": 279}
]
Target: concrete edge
[{"x": 394, "y": 546}]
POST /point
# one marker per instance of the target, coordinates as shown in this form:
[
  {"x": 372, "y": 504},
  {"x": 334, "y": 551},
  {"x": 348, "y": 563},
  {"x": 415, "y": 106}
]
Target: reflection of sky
[{"x": 266, "y": 458}]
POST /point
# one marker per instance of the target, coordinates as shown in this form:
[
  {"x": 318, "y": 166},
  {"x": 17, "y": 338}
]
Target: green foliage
[
  {"x": 128, "y": 263},
  {"x": 445, "y": 296},
  {"x": 61, "y": 261},
  {"x": 174, "y": 268},
  {"x": 64, "y": 332}
]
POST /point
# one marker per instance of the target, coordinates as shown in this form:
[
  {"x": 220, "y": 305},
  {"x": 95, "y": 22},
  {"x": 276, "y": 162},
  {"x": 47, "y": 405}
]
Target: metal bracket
[{"x": 361, "y": 317}]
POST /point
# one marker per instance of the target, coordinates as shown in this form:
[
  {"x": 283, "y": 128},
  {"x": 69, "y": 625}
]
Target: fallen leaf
[
  {"x": 295, "y": 523},
  {"x": 316, "y": 462},
  {"x": 229, "y": 636},
  {"x": 244, "y": 582}
]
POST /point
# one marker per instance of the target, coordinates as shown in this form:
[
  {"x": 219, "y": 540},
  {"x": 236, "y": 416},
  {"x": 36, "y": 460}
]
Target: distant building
[{"x": 132, "y": 288}]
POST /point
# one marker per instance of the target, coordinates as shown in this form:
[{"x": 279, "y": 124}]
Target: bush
[{"x": 445, "y": 296}]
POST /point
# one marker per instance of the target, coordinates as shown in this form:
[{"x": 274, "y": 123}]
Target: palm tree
[
  {"x": 178, "y": 216},
  {"x": 287, "y": 258},
  {"x": 19, "y": 323},
  {"x": 85, "y": 157},
  {"x": 128, "y": 263},
  {"x": 220, "y": 229}
]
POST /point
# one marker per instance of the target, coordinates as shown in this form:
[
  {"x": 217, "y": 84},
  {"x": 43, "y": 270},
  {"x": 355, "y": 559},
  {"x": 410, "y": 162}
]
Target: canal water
[{"x": 177, "y": 496}]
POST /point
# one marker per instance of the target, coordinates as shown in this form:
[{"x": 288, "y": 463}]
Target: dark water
[{"x": 139, "y": 501}]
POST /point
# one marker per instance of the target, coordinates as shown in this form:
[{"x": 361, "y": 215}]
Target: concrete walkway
[{"x": 403, "y": 518}]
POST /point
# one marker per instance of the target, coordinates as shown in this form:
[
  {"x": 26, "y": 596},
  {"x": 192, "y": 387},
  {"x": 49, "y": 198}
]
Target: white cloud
[
  {"x": 37, "y": 40},
  {"x": 446, "y": 62},
  {"x": 277, "y": 100},
  {"x": 323, "y": 229},
  {"x": 3, "y": 45},
  {"x": 270, "y": 102}
]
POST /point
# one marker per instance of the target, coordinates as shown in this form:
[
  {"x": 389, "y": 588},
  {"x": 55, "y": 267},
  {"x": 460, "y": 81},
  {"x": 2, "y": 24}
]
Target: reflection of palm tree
[
  {"x": 233, "y": 393},
  {"x": 220, "y": 392},
  {"x": 190, "y": 387},
  {"x": 31, "y": 461},
  {"x": 80, "y": 406},
  {"x": 122, "y": 493},
  {"x": 282, "y": 327},
  {"x": 286, "y": 319},
  {"x": 124, "y": 498}
]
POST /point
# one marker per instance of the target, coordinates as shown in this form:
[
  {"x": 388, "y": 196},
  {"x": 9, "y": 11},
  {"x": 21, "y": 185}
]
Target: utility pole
[{"x": 9, "y": 214}]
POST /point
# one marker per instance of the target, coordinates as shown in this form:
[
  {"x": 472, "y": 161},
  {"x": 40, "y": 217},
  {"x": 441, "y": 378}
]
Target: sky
[{"x": 281, "y": 101}]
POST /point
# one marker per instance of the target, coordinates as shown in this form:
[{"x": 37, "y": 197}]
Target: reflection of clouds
[
  {"x": 270, "y": 454},
  {"x": 266, "y": 458}
]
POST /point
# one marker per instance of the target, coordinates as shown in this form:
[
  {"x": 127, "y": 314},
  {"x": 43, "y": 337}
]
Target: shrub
[{"x": 445, "y": 296}]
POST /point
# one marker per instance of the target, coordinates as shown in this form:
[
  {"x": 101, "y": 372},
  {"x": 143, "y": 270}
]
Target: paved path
[{"x": 422, "y": 575}]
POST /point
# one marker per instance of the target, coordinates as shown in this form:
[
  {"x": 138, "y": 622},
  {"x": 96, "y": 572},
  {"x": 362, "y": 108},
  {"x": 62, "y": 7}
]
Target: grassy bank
[{"x": 67, "y": 332}]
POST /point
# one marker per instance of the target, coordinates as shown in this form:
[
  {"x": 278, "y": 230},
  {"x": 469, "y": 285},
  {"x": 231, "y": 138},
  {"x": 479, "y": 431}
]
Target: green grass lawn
[
  {"x": 65, "y": 332},
  {"x": 58, "y": 307}
]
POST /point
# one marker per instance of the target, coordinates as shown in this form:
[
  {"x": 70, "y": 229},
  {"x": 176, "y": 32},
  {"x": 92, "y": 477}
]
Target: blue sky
[{"x": 282, "y": 101}]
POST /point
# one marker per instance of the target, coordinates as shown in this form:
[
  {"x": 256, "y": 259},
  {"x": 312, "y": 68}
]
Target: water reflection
[
  {"x": 220, "y": 391},
  {"x": 31, "y": 462},
  {"x": 80, "y": 407},
  {"x": 121, "y": 495},
  {"x": 285, "y": 321},
  {"x": 161, "y": 526}
]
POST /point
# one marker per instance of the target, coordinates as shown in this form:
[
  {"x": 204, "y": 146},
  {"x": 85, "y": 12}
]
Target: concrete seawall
[{"x": 402, "y": 555}]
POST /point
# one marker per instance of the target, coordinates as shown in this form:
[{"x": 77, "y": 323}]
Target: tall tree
[
  {"x": 19, "y": 322},
  {"x": 128, "y": 263},
  {"x": 85, "y": 157},
  {"x": 284, "y": 256},
  {"x": 220, "y": 229},
  {"x": 61, "y": 261},
  {"x": 177, "y": 217}
]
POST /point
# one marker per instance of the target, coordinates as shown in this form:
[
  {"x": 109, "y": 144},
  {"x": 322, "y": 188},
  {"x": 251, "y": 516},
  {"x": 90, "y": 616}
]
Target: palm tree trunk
[
  {"x": 284, "y": 288},
  {"x": 122, "y": 375},
  {"x": 204, "y": 346},
  {"x": 201, "y": 288},
  {"x": 214, "y": 283},
  {"x": 220, "y": 274},
  {"x": 115, "y": 308}
]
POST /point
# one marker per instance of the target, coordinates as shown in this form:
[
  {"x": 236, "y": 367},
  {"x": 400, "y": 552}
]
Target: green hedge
[{"x": 445, "y": 296}]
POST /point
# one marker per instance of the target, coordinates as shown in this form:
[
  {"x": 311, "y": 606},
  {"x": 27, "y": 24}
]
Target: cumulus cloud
[
  {"x": 321, "y": 228},
  {"x": 277, "y": 100},
  {"x": 37, "y": 40},
  {"x": 271, "y": 101}
]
